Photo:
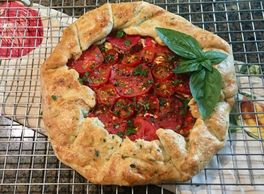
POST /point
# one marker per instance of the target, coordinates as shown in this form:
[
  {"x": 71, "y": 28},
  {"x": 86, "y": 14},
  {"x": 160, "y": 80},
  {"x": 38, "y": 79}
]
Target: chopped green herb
[
  {"x": 176, "y": 82},
  {"x": 132, "y": 165},
  {"x": 120, "y": 34},
  {"x": 130, "y": 131},
  {"x": 116, "y": 112},
  {"x": 140, "y": 71},
  {"x": 54, "y": 97},
  {"x": 119, "y": 104},
  {"x": 97, "y": 153},
  {"x": 162, "y": 101},
  {"x": 147, "y": 83},
  {"x": 120, "y": 134},
  {"x": 127, "y": 42},
  {"x": 130, "y": 123},
  {"x": 84, "y": 78},
  {"x": 116, "y": 83},
  {"x": 124, "y": 157},
  {"x": 109, "y": 58},
  {"x": 103, "y": 49}
]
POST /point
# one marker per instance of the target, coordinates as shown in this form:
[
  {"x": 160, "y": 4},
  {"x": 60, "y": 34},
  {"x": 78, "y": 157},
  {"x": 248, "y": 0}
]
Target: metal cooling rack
[{"x": 27, "y": 161}]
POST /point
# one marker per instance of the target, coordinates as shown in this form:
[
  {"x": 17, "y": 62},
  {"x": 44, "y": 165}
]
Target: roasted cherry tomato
[
  {"x": 88, "y": 61},
  {"x": 111, "y": 57},
  {"x": 99, "y": 76},
  {"x": 162, "y": 71},
  {"x": 107, "y": 94},
  {"x": 131, "y": 60},
  {"x": 123, "y": 108},
  {"x": 124, "y": 43},
  {"x": 130, "y": 82},
  {"x": 145, "y": 130},
  {"x": 164, "y": 88}
]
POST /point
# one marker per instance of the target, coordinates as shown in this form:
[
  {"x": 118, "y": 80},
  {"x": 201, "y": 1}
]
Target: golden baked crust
[{"x": 84, "y": 143}]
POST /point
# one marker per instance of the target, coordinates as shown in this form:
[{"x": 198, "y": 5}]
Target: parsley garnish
[
  {"x": 147, "y": 83},
  {"x": 84, "y": 78},
  {"x": 109, "y": 58},
  {"x": 132, "y": 165},
  {"x": 176, "y": 82},
  {"x": 140, "y": 71},
  {"x": 97, "y": 153},
  {"x": 127, "y": 42},
  {"x": 120, "y": 134},
  {"x": 130, "y": 131},
  {"x": 54, "y": 97},
  {"x": 162, "y": 101},
  {"x": 120, "y": 34},
  {"x": 130, "y": 123}
]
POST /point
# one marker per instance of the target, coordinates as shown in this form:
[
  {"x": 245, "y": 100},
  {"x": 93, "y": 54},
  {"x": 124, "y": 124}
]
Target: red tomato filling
[{"x": 137, "y": 92}]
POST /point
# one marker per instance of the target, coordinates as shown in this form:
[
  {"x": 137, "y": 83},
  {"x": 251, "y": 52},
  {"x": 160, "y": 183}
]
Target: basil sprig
[{"x": 205, "y": 80}]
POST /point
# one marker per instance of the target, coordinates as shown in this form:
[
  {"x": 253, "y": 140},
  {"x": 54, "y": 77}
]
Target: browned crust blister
[{"x": 84, "y": 143}]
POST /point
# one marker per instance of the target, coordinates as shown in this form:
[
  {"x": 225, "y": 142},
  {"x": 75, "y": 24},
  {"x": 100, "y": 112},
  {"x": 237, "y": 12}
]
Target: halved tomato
[
  {"x": 99, "y": 76},
  {"x": 107, "y": 94},
  {"x": 162, "y": 71},
  {"x": 164, "y": 88},
  {"x": 130, "y": 82},
  {"x": 124, "y": 43},
  {"x": 131, "y": 60},
  {"x": 145, "y": 130},
  {"x": 123, "y": 108},
  {"x": 88, "y": 61}
]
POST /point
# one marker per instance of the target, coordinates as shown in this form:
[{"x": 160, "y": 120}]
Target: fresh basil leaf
[
  {"x": 206, "y": 89},
  {"x": 215, "y": 56},
  {"x": 182, "y": 44},
  {"x": 207, "y": 64},
  {"x": 188, "y": 66}
]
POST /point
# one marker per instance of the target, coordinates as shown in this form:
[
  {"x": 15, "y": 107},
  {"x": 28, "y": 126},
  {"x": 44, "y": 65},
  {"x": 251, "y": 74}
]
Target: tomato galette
[{"x": 133, "y": 94}]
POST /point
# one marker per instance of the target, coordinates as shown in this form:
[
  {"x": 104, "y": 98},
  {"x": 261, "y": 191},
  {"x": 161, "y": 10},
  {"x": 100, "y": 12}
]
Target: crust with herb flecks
[{"x": 86, "y": 146}]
